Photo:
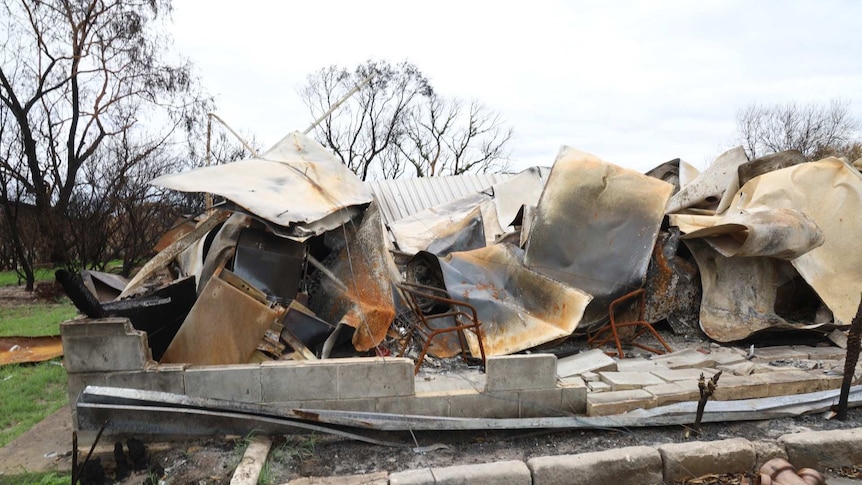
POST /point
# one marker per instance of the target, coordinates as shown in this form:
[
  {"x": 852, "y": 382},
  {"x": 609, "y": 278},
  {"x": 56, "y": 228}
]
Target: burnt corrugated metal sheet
[{"x": 400, "y": 198}]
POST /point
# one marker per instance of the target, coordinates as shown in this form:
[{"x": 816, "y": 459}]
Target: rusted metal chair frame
[
  {"x": 458, "y": 310},
  {"x": 599, "y": 339}
]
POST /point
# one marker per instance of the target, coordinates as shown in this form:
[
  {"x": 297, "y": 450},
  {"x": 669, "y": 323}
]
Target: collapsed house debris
[{"x": 301, "y": 261}]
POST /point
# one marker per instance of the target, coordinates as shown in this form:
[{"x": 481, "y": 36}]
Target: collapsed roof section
[
  {"x": 297, "y": 186},
  {"x": 301, "y": 263}
]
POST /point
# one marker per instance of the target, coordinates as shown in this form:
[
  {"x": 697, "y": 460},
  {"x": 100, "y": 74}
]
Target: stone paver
[
  {"x": 501, "y": 472},
  {"x": 616, "y": 402},
  {"x": 589, "y": 361},
  {"x": 621, "y": 381},
  {"x": 636, "y": 465},
  {"x": 818, "y": 449},
  {"x": 781, "y": 352},
  {"x": 698, "y": 458},
  {"x": 684, "y": 359},
  {"x": 672, "y": 392},
  {"x": 674, "y": 375},
  {"x": 377, "y": 478}
]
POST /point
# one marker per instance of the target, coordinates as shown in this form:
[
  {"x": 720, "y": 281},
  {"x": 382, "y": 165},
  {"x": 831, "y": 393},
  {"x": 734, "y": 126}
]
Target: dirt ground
[{"x": 212, "y": 460}]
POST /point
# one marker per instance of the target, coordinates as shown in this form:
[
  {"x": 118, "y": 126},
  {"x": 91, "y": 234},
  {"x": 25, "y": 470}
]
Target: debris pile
[{"x": 302, "y": 260}]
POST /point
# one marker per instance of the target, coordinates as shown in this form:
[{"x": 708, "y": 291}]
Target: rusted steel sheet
[
  {"x": 17, "y": 350},
  {"x": 707, "y": 190},
  {"x": 741, "y": 295},
  {"x": 518, "y": 307},
  {"x": 297, "y": 185},
  {"x": 224, "y": 327},
  {"x": 828, "y": 193},
  {"x": 366, "y": 269},
  {"x": 672, "y": 286},
  {"x": 595, "y": 227}
]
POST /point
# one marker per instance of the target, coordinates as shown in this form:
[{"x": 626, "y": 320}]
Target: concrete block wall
[{"x": 110, "y": 352}]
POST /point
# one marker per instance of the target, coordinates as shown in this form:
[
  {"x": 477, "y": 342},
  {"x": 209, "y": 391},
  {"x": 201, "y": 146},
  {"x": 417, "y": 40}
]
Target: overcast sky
[{"x": 636, "y": 83}]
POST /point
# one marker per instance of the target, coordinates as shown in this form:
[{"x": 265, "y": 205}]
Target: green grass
[
  {"x": 10, "y": 278},
  {"x": 37, "y": 478},
  {"x": 35, "y": 320},
  {"x": 29, "y": 393}
]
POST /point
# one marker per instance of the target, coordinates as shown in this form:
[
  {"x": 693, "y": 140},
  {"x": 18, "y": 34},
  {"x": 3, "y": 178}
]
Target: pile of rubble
[{"x": 302, "y": 260}]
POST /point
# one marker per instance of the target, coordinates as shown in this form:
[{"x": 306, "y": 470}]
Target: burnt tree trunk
[{"x": 850, "y": 360}]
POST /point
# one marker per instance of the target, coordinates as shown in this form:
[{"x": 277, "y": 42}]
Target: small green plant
[
  {"x": 37, "y": 478},
  {"x": 295, "y": 448},
  {"x": 265, "y": 477}
]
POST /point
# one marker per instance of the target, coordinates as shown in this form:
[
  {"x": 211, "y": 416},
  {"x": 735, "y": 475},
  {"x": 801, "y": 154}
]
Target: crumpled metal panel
[
  {"x": 778, "y": 233},
  {"x": 672, "y": 286},
  {"x": 740, "y": 294},
  {"x": 223, "y": 327},
  {"x": 499, "y": 205},
  {"x": 366, "y": 269},
  {"x": 519, "y": 308},
  {"x": 676, "y": 172},
  {"x": 707, "y": 189},
  {"x": 595, "y": 227},
  {"x": 769, "y": 163},
  {"x": 829, "y": 193},
  {"x": 297, "y": 184}
]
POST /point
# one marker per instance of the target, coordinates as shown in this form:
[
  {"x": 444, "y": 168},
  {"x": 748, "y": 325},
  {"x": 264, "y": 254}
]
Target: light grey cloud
[{"x": 636, "y": 83}]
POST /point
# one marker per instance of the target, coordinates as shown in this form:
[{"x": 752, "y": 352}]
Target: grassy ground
[
  {"x": 10, "y": 278},
  {"x": 30, "y": 392},
  {"x": 34, "y": 320}
]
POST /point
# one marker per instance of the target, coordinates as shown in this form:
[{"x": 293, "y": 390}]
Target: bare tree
[
  {"x": 813, "y": 129},
  {"x": 74, "y": 74},
  {"x": 445, "y": 137},
  {"x": 398, "y": 126},
  {"x": 370, "y": 122}
]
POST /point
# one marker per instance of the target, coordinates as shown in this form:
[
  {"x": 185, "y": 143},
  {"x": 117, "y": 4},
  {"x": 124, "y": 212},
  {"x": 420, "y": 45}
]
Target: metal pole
[{"x": 340, "y": 102}]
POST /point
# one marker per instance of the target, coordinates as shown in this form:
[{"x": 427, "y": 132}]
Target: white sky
[{"x": 636, "y": 83}]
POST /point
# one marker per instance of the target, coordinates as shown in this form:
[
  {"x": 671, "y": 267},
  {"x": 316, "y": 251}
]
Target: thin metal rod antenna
[
  {"x": 234, "y": 133},
  {"x": 340, "y": 102}
]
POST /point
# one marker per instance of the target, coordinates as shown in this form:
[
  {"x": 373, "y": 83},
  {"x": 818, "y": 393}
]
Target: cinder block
[
  {"x": 459, "y": 381},
  {"x": 156, "y": 379},
  {"x": 574, "y": 399},
  {"x": 77, "y": 382},
  {"x": 819, "y": 449},
  {"x": 103, "y": 345},
  {"x": 635, "y": 465},
  {"x": 684, "y": 359},
  {"x": 588, "y": 361},
  {"x": 231, "y": 382},
  {"x": 374, "y": 377},
  {"x": 617, "y": 402},
  {"x": 694, "y": 459},
  {"x": 471, "y": 404},
  {"x": 765, "y": 451},
  {"x": 298, "y": 381},
  {"x": 424, "y": 404},
  {"x": 672, "y": 392},
  {"x": 516, "y": 372},
  {"x": 541, "y": 402},
  {"x": 96, "y": 327},
  {"x": 621, "y": 381},
  {"x": 508, "y": 472}
]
